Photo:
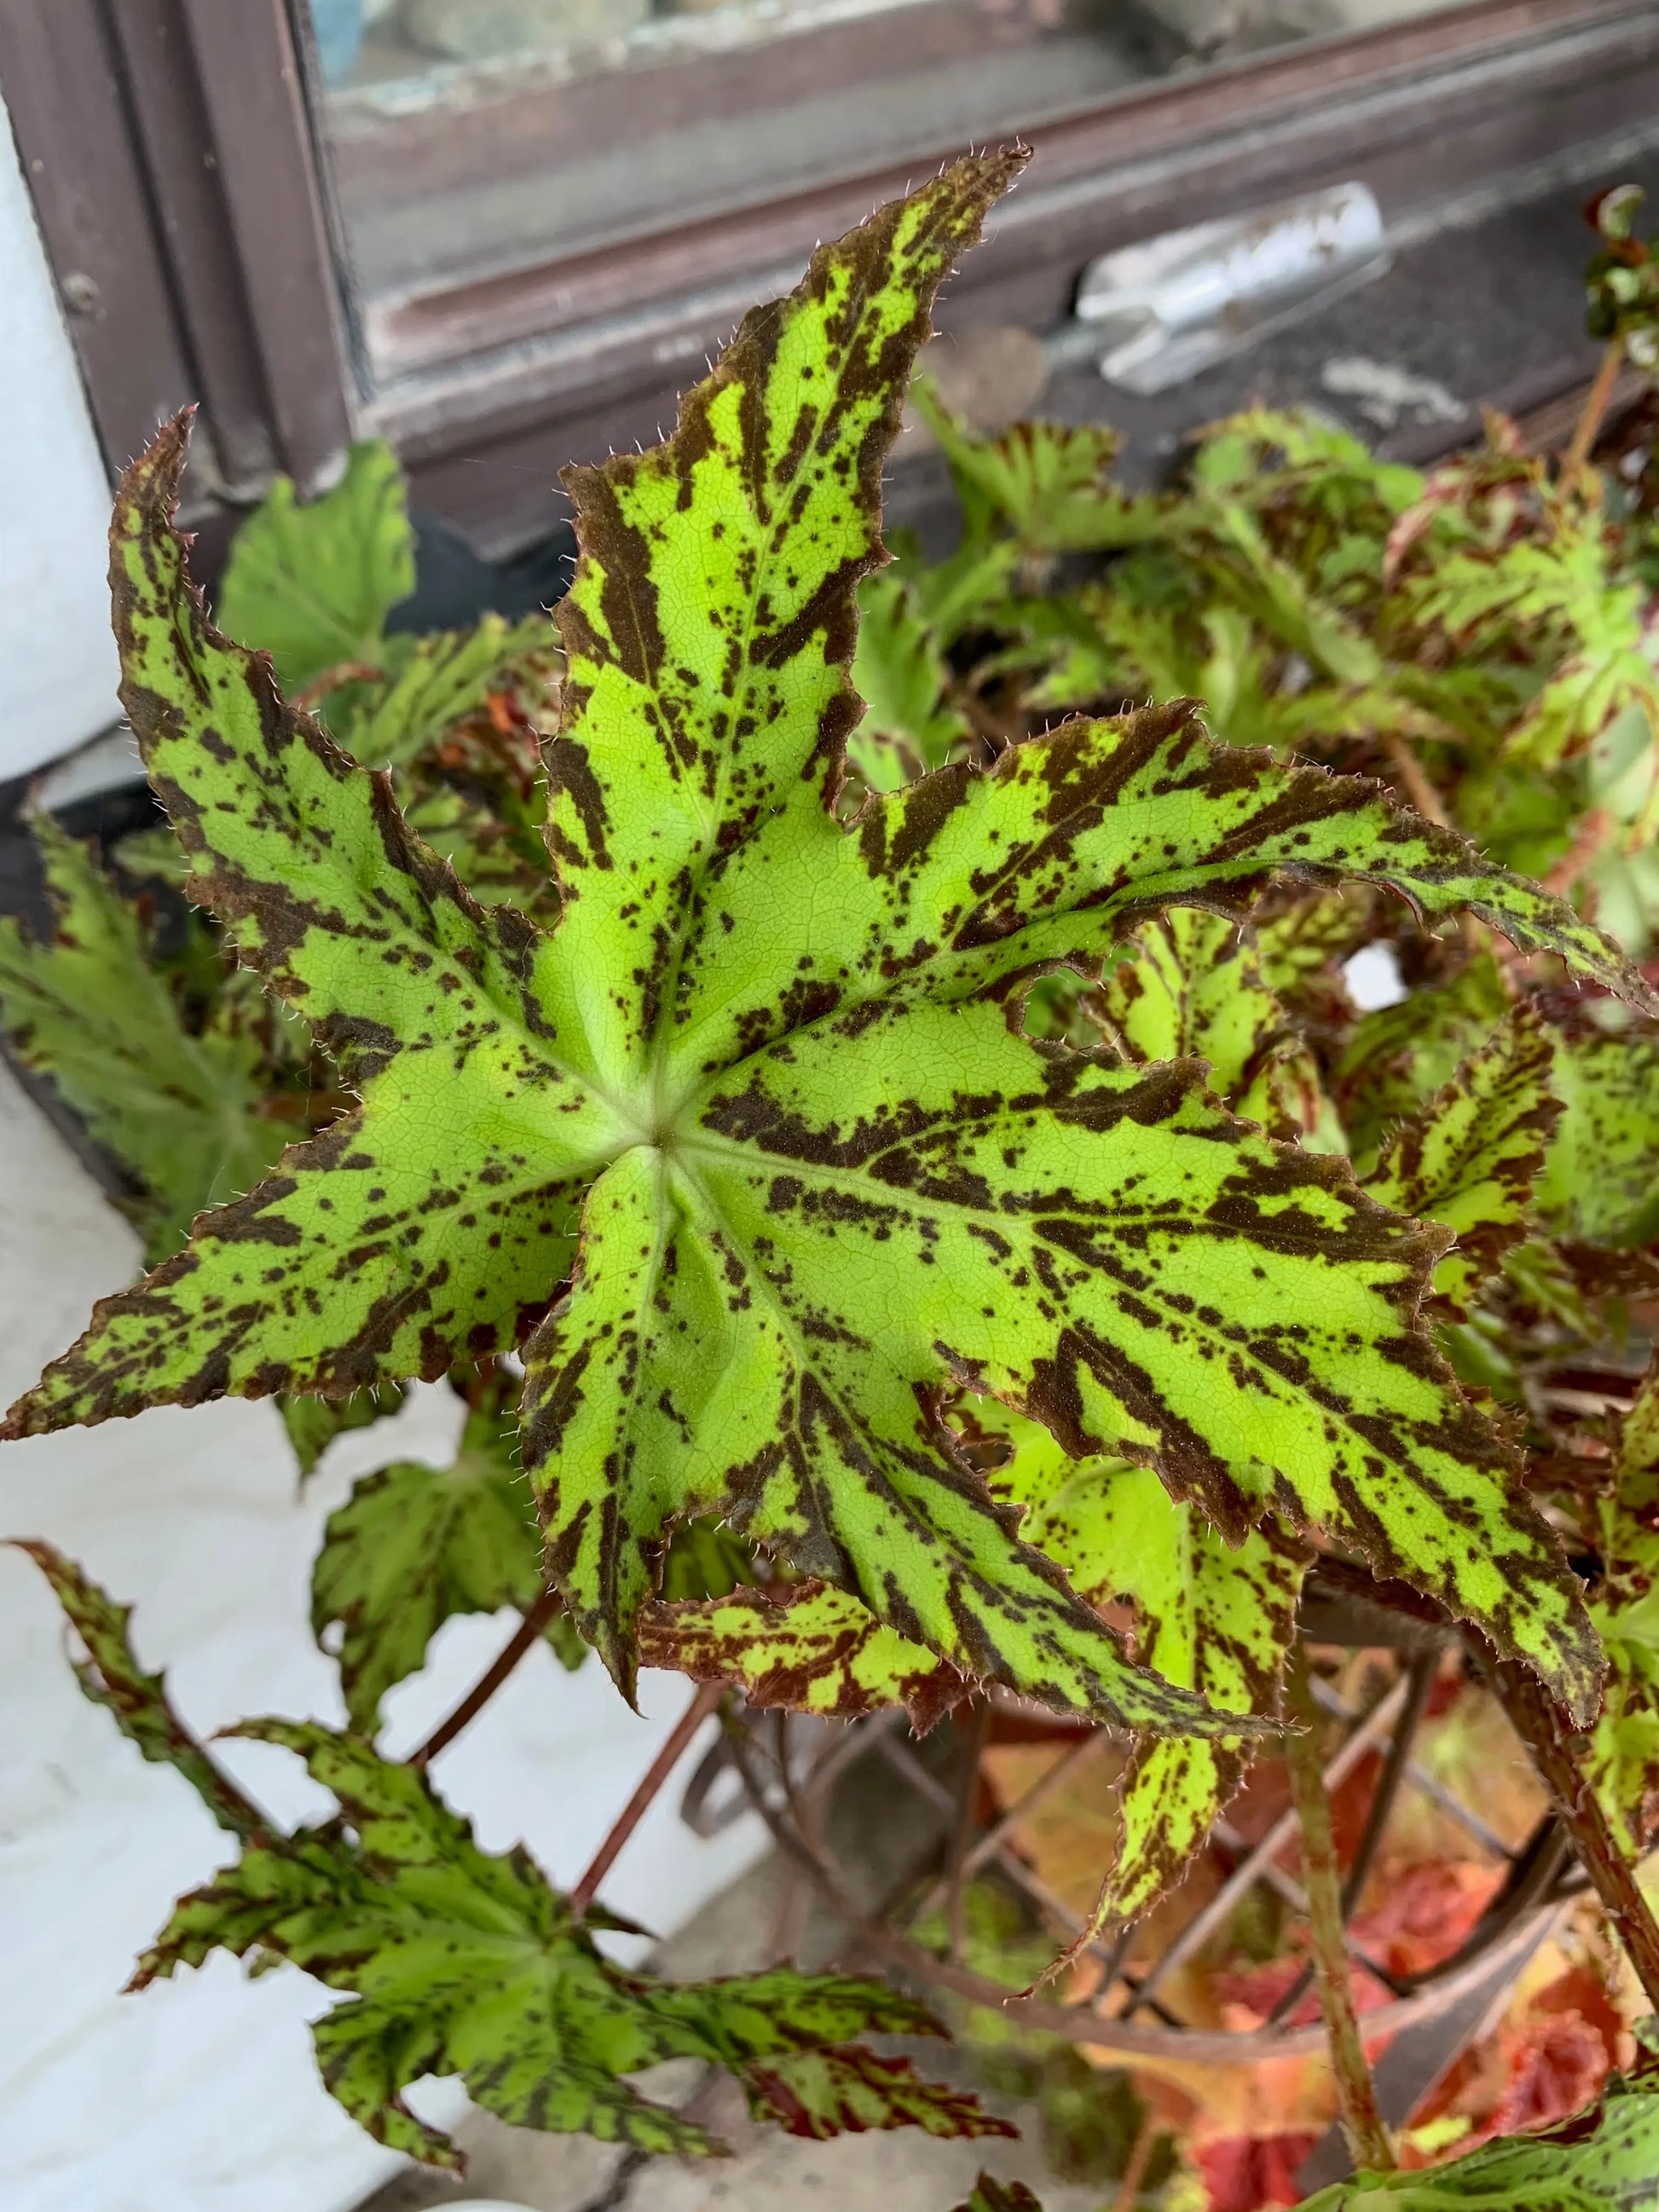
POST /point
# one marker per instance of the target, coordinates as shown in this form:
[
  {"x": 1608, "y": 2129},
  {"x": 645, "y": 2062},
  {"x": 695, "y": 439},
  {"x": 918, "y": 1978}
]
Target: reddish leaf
[
  {"x": 1582, "y": 1991},
  {"x": 1249, "y": 2173},
  {"x": 819, "y": 2093},
  {"x": 1423, "y": 1912},
  {"x": 1556, "y": 2067},
  {"x": 1258, "y": 1990}
]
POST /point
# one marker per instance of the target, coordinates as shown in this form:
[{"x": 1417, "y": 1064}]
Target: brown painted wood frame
[
  {"x": 512, "y": 376},
  {"x": 184, "y": 201},
  {"x": 169, "y": 149}
]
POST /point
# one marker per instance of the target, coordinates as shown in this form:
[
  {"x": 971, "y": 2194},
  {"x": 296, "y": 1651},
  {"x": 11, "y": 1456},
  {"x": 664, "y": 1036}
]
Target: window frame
[{"x": 183, "y": 193}]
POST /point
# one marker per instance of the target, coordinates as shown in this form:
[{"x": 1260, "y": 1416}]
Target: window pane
[{"x": 474, "y": 137}]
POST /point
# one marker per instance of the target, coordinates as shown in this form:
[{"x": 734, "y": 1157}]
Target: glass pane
[{"x": 473, "y": 137}]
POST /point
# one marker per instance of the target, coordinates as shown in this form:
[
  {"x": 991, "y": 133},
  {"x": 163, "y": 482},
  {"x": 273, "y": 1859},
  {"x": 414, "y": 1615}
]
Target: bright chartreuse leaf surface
[
  {"x": 1208, "y": 1616},
  {"x": 1194, "y": 986},
  {"x": 811, "y": 1648},
  {"x": 772, "y": 1068},
  {"x": 1601, "y": 1180},
  {"x": 1213, "y": 1617}
]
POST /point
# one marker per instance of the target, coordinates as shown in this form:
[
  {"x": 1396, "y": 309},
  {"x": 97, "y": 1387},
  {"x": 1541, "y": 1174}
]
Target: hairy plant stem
[
  {"x": 311, "y": 696},
  {"x": 528, "y": 1630},
  {"x": 1545, "y": 1731},
  {"x": 1413, "y": 778},
  {"x": 1597, "y": 401},
  {"x": 977, "y": 1733},
  {"x": 674, "y": 1749},
  {"x": 1368, "y": 2139}
]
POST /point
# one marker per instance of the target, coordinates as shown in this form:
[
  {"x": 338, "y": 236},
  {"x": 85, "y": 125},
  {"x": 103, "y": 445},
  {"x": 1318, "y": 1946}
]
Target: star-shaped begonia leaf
[{"x": 772, "y": 1066}]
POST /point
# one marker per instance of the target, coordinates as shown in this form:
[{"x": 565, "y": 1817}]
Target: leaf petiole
[
  {"x": 528, "y": 1630},
  {"x": 1368, "y": 2139}
]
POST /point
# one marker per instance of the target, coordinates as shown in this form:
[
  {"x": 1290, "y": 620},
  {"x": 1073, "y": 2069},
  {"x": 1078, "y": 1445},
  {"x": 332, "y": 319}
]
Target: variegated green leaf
[
  {"x": 813, "y": 1648},
  {"x": 110, "y": 1675},
  {"x": 1470, "y": 1158},
  {"x": 991, "y": 2195},
  {"x": 826, "y": 1176},
  {"x": 1600, "y": 1179},
  {"x": 1213, "y": 1617},
  {"x": 91, "y": 1012},
  {"x": 459, "y": 1961},
  {"x": 1622, "y": 1757},
  {"x": 1194, "y": 986},
  {"x": 1604, "y": 2160},
  {"x": 960, "y": 883},
  {"x": 414, "y": 1544},
  {"x": 713, "y": 617},
  {"x": 1216, "y": 1619},
  {"x": 422, "y": 1227},
  {"x": 1301, "y": 943},
  {"x": 1400, "y": 1056},
  {"x": 313, "y": 585},
  {"x": 820, "y": 2093}
]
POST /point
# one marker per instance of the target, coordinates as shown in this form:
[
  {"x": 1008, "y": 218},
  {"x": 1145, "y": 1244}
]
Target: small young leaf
[
  {"x": 1194, "y": 986},
  {"x": 1600, "y": 1179},
  {"x": 811, "y": 1650},
  {"x": 909, "y": 724},
  {"x": 90, "y": 1010},
  {"x": 1400, "y": 1056},
  {"x": 819, "y": 2093},
  {"x": 445, "y": 678},
  {"x": 1602, "y": 2160},
  {"x": 1470, "y": 1158},
  {"x": 312, "y": 1424},
  {"x": 110, "y": 1675},
  {"x": 991, "y": 2195},
  {"x": 1047, "y": 480},
  {"x": 414, "y": 1544},
  {"x": 461, "y": 1962},
  {"x": 312, "y": 585}
]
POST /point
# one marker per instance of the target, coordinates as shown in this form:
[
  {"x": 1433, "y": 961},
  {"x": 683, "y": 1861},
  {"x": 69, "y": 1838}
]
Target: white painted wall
[{"x": 57, "y": 667}]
